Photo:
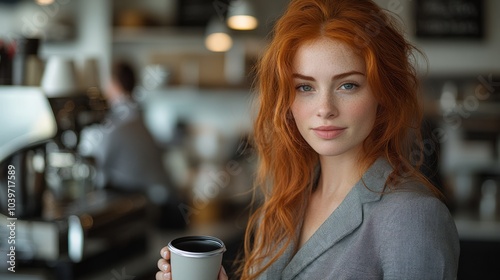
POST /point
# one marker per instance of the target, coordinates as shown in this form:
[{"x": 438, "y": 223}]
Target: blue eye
[
  {"x": 304, "y": 88},
  {"x": 348, "y": 86}
]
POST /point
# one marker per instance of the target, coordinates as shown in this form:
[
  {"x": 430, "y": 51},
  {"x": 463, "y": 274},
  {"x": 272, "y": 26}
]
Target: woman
[{"x": 338, "y": 138}]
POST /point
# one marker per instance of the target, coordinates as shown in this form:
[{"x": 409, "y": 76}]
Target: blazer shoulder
[
  {"x": 410, "y": 191},
  {"x": 417, "y": 234}
]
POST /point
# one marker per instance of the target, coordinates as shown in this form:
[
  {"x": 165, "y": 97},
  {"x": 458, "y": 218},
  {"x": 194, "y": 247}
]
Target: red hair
[{"x": 287, "y": 162}]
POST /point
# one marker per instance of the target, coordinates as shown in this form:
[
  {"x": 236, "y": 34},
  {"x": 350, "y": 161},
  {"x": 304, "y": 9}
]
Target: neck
[{"x": 338, "y": 175}]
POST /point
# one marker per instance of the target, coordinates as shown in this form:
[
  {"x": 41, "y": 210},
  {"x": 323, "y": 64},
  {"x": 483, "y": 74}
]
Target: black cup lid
[{"x": 209, "y": 240}]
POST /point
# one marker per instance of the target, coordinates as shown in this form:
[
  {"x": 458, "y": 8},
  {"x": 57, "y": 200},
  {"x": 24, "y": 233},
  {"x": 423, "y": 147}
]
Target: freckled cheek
[
  {"x": 359, "y": 112},
  {"x": 302, "y": 110},
  {"x": 363, "y": 113},
  {"x": 300, "y": 117}
]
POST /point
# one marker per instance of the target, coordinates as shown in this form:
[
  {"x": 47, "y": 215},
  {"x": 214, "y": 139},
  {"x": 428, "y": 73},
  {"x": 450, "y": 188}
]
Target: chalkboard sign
[
  {"x": 199, "y": 12},
  {"x": 461, "y": 19}
]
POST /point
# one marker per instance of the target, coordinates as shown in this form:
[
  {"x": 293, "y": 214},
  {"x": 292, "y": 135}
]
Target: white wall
[{"x": 92, "y": 19}]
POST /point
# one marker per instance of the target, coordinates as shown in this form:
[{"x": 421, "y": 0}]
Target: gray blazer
[{"x": 407, "y": 234}]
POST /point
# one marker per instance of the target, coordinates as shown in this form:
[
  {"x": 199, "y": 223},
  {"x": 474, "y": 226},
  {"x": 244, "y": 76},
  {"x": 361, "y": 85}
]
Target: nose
[{"x": 326, "y": 105}]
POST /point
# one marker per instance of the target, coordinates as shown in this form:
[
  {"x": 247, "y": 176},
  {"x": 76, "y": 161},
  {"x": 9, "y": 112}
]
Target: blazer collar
[{"x": 344, "y": 220}]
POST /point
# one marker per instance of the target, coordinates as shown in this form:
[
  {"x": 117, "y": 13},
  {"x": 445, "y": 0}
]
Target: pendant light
[
  {"x": 44, "y": 2},
  {"x": 217, "y": 38},
  {"x": 241, "y": 15}
]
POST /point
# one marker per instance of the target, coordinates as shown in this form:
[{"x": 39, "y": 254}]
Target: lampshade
[
  {"x": 217, "y": 37},
  {"x": 241, "y": 15},
  {"x": 60, "y": 78}
]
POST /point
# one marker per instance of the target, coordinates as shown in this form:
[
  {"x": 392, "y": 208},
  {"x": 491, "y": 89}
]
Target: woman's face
[{"x": 334, "y": 107}]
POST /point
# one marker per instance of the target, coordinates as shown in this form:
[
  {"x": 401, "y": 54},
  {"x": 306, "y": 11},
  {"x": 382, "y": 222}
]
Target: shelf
[
  {"x": 186, "y": 37},
  {"x": 149, "y": 35},
  {"x": 475, "y": 229},
  {"x": 492, "y": 167}
]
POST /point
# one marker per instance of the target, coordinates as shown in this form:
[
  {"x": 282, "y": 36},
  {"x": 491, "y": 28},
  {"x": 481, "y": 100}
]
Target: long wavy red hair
[{"x": 287, "y": 162}]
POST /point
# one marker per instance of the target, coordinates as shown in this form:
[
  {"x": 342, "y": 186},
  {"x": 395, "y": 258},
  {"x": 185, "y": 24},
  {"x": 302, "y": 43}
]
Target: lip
[{"x": 328, "y": 132}]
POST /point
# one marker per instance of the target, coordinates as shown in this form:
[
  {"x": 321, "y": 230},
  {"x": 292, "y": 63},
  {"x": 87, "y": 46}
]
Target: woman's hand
[{"x": 164, "y": 266}]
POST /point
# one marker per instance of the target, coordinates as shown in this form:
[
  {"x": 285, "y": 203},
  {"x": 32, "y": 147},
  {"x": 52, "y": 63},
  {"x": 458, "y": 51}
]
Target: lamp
[
  {"x": 60, "y": 78},
  {"x": 241, "y": 15},
  {"x": 217, "y": 38}
]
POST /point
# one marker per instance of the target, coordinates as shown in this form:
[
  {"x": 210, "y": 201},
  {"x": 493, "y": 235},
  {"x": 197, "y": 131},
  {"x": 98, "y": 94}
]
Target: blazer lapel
[
  {"x": 343, "y": 221},
  {"x": 278, "y": 266}
]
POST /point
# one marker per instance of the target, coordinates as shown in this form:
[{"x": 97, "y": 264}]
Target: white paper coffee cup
[{"x": 196, "y": 257}]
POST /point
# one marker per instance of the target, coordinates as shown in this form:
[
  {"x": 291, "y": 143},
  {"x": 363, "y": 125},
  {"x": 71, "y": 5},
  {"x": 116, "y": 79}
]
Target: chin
[{"x": 336, "y": 151}]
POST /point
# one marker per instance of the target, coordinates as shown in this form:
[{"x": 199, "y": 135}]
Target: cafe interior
[{"x": 193, "y": 62}]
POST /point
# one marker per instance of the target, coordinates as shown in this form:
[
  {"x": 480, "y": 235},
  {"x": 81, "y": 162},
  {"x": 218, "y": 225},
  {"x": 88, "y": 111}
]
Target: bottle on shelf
[
  {"x": 5, "y": 63},
  {"x": 488, "y": 204}
]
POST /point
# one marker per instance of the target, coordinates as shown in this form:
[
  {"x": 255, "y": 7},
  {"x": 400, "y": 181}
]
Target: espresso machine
[{"x": 63, "y": 223}]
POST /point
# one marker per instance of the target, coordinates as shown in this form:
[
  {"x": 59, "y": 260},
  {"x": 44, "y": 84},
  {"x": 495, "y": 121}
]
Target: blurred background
[{"x": 193, "y": 68}]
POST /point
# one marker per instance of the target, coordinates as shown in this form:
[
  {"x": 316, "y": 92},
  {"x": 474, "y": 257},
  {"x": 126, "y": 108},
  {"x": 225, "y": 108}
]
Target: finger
[
  {"x": 163, "y": 265},
  {"x": 222, "y": 274},
  {"x": 165, "y": 253},
  {"x": 160, "y": 275}
]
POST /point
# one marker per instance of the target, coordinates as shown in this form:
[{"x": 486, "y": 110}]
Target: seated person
[{"x": 126, "y": 154}]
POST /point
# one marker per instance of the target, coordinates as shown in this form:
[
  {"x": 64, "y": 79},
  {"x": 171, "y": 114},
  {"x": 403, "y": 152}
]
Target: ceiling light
[
  {"x": 241, "y": 15},
  {"x": 217, "y": 38},
  {"x": 44, "y": 2}
]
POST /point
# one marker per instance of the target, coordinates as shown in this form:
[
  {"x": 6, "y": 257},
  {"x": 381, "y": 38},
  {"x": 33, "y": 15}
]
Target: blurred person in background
[{"x": 127, "y": 157}]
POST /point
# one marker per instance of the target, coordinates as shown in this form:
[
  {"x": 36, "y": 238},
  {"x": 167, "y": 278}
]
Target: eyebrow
[{"x": 336, "y": 77}]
